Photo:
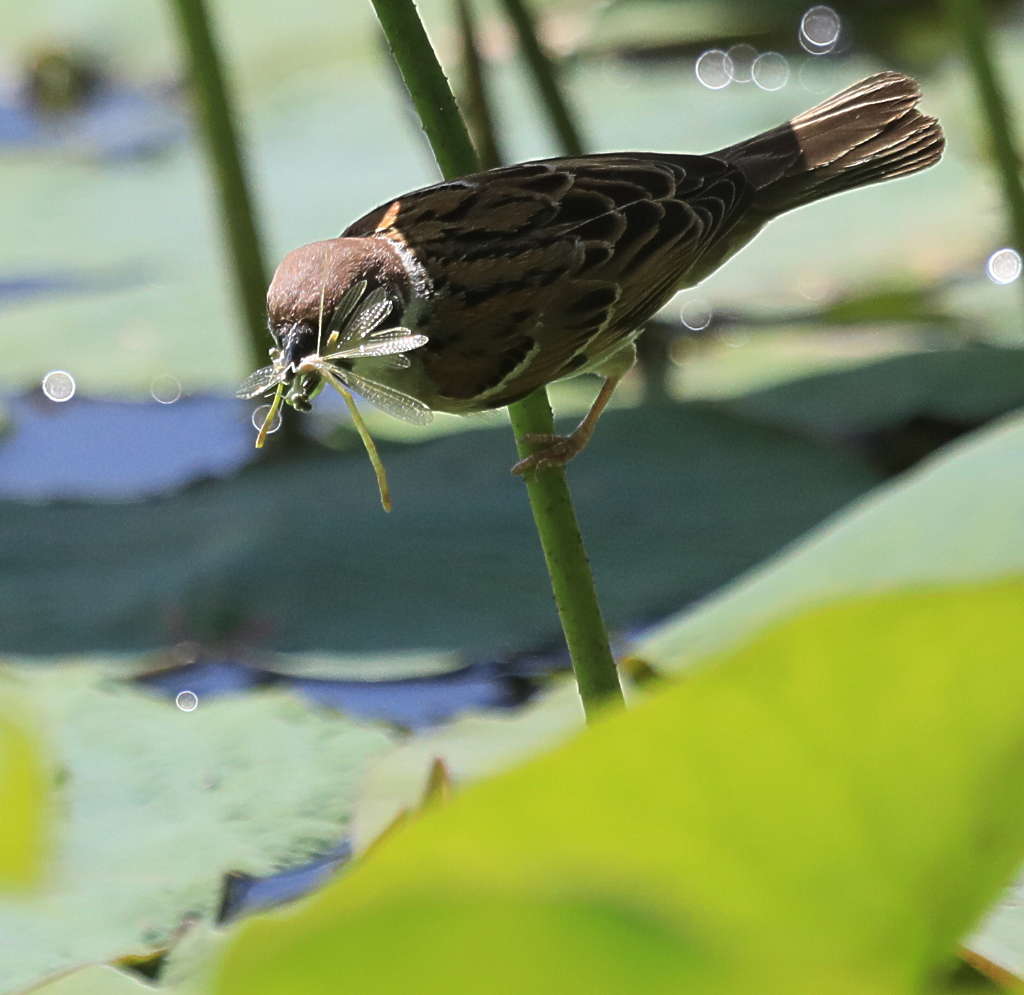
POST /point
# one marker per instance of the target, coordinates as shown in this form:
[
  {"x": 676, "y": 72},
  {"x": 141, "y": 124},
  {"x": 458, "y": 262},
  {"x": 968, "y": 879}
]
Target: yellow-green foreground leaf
[
  {"x": 827, "y": 809},
  {"x": 22, "y": 802}
]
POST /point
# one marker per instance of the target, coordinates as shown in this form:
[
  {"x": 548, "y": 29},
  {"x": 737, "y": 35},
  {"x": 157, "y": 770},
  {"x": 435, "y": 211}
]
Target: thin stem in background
[
  {"x": 477, "y": 105},
  {"x": 968, "y": 18},
  {"x": 220, "y": 139},
  {"x": 550, "y": 501},
  {"x": 543, "y": 70}
]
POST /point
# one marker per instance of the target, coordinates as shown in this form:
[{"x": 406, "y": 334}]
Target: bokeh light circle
[
  {"x": 770, "y": 71},
  {"x": 819, "y": 30},
  {"x": 187, "y": 701},
  {"x": 59, "y": 386},
  {"x": 259, "y": 416},
  {"x": 1004, "y": 266},
  {"x": 714, "y": 69},
  {"x": 696, "y": 314},
  {"x": 741, "y": 58},
  {"x": 165, "y": 389}
]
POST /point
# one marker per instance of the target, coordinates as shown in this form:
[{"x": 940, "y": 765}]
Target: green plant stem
[
  {"x": 542, "y": 68},
  {"x": 550, "y": 501},
  {"x": 571, "y": 580},
  {"x": 222, "y": 149},
  {"x": 969, "y": 18}
]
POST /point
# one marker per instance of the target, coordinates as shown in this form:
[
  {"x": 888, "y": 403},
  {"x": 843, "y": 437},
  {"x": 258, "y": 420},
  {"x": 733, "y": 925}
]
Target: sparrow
[{"x": 469, "y": 294}]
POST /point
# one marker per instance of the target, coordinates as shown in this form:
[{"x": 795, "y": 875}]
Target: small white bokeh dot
[
  {"x": 259, "y": 416},
  {"x": 165, "y": 389},
  {"x": 714, "y": 69},
  {"x": 59, "y": 386},
  {"x": 770, "y": 71},
  {"x": 819, "y": 30},
  {"x": 1004, "y": 266},
  {"x": 696, "y": 315},
  {"x": 187, "y": 701}
]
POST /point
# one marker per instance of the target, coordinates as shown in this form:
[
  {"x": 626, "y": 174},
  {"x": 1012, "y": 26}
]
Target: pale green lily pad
[
  {"x": 299, "y": 546},
  {"x": 965, "y": 386},
  {"x": 157, "y": 804},
  {"x": 368, "y": 666},
  {"x": 190, "y": 963},
  {"x": 954, "y": 518},
  {"x": 95, "y": 979},
  {"x": 1000, "y": 938}
]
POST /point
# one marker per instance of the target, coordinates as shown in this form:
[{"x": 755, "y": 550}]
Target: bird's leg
[{"x": 557, "y": 450}]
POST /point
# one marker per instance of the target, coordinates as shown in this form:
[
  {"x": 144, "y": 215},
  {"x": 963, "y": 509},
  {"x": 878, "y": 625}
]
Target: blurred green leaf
[
  {"x": 158, "y": 804},
  {"x": 956, "y": 518},
  {"x": 23, "y": 798},
  {"x": 815, "y": 812},
  {"x": 300, "y": 547},
  {"x": 910, "y": 303},
  {"x": 969, "y": 386},
  {"x": 879, "y": 304}
]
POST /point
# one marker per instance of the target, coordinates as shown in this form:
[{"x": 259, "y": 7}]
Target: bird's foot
[{"x": 554, "y": 451}]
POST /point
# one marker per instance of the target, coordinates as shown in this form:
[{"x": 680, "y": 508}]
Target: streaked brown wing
[{"x": 540, "y": 268}]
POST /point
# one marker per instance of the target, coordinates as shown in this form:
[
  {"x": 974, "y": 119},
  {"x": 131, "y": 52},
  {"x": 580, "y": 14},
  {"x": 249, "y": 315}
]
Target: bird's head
[
  {"x": 311, "y": 287},
  {"x": 326, "y": 305},
  {"x": 315, "y": 291}
]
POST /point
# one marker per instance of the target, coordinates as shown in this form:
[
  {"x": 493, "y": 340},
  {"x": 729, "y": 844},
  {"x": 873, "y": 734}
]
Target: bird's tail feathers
[{"x": 869, "y": 132}]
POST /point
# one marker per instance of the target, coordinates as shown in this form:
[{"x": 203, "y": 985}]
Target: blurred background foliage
[
  {"x": 112, "y": 203},
  {"x": 794, "y": 436}
]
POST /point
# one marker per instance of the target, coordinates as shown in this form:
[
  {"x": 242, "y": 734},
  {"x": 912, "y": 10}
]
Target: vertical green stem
[
  {"x": 571, "y": 580},
  {"x": 542, "y": 68},
  {"x": 222, "y": 149},
  {"x": 968, "y": 16},
  {"x": 548, "y": 491}
]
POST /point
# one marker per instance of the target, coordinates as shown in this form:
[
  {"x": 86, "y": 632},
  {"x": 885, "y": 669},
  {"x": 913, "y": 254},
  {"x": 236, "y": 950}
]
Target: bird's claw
[{"x": 555, "y": 451}]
